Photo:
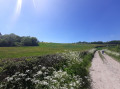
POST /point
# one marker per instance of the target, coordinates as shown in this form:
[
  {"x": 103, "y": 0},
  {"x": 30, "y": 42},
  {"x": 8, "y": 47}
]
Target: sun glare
[
  {"x": 34, "y": 3},
  {"x": 18, "y": 7},
  {"x": 16, "y": 13}
]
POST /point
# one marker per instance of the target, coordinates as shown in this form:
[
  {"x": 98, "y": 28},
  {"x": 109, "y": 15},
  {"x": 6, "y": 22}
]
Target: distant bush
[
  {"x": 15, "y": 40},
  {"x": 114, "y": 42}
]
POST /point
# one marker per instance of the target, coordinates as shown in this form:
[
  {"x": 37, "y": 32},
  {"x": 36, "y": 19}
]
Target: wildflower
[
  {"x": 39, "y": 72},
  {"x": 77, "y": 81},
  {"x": 34, "y": 75},
  {"x": 9, "y": 79},
  {"x": 35, "y": 81},
  {"x": 46, "y": 73},
  {"x": 27, "y": 79},
  {"x": 74, "y": 84},
  {"x": 43, "y": 68},
  {"x": 48, "y": 77},
  {"x": 39, "y": 65},
  {"x": 27, "y": 71},
  {"x": 22, "y": 74},
  {"x": 17, "y": 79},
  {"x": 14, "y": 75},
  {"x": 45, "y": 83},
  {"x": 17, "y": 73},
  {"x": 71, "y": 84},
  {"x": 54, "y": 81}
]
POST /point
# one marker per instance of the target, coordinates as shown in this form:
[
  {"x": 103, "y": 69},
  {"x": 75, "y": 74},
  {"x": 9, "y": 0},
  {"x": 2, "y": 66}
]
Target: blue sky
[{"x": 62, "y": 21}]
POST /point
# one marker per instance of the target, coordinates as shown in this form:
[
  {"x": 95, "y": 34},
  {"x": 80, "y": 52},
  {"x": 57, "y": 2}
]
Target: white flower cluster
[
  {"x": 72, "y": 56},
  {"x": 92, "y": 50},
  {"x": 111, "y": 52},
  {"x": 61, "y": 80},
  {"x": 57, "y": 80}
]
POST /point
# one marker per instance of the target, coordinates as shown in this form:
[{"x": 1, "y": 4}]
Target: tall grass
[
  {"x": 114, "y": 48},
  {"x": 113, "y": 54},
  {"x": 42, "y": 49}
]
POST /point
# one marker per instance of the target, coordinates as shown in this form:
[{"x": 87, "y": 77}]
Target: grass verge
[
  {"x": 101, "y": 56},
  {"x": 117, "y": 58}
]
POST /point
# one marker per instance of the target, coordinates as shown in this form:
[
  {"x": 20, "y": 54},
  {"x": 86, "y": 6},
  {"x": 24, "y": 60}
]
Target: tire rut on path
[{"x": 105, "y": 75}]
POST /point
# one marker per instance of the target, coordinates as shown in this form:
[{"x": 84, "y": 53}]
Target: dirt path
[{"x": 105, "y": 74}]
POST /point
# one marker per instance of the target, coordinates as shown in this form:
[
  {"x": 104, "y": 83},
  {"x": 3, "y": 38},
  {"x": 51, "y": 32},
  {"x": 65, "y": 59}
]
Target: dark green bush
[{"x": 15, "y": 40}]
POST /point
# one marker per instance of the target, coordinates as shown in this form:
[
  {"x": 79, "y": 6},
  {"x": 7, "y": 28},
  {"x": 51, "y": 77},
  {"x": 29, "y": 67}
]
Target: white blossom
[{"x": 39, "y": 72}]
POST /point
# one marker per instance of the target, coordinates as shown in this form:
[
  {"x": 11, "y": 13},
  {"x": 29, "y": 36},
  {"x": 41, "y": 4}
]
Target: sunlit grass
[{"x": 42, "y": 49}]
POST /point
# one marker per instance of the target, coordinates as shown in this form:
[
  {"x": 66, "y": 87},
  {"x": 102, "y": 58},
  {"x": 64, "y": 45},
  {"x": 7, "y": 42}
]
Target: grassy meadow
[{"x": 42, "y": 49}]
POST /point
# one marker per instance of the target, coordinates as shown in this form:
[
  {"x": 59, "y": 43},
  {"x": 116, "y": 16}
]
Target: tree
[
  {"x": 11, "y": 39},
  {"x": 97, "y": 42},
  {"x": 0, "y": 34},
  {"x": 34, "y": 41},
  {"x": 15, "y": 40},
  {"x": 3, "y": 43}
]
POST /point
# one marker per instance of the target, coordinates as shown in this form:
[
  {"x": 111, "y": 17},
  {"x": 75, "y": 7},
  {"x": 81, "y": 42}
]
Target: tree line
[
  {"x": 101, "y": 42},
  {"x": 10, "y": 40}
]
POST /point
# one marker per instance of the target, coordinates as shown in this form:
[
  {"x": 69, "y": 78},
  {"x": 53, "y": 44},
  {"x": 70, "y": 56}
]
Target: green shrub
[{"x": 60, "y": 71}]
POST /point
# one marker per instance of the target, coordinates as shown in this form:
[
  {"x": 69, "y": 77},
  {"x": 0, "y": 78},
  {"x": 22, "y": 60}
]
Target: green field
[{"x": 42, "y": 49}]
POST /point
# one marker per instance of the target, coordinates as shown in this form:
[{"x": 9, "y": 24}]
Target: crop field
[{"x": 42, "y": 49}]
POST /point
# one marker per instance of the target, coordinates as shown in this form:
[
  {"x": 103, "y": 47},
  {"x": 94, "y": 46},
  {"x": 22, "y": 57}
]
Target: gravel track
[{"x": 105, "y": 74}]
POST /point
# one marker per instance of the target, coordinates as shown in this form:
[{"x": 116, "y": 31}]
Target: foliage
[
  {"x": 114, "y": 42},
  {"x": 114, "y": 48},
  {"x": 67, "y": 70},
  {"x": 101, "y": 42},
  {"x": 113, "y": 54},
  {"x": 97, "y": 42},
  {"x": 15, "y": 40}
]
